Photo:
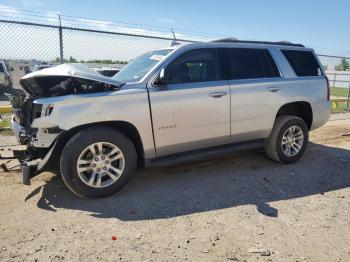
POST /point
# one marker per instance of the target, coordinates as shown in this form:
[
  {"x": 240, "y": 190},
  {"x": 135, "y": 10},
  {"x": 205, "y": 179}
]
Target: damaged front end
[{"x": 31, "y": 115}]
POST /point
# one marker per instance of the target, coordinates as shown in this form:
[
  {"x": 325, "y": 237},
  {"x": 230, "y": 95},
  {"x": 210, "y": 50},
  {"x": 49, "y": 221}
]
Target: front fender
[{"x": 129, "y": 106}]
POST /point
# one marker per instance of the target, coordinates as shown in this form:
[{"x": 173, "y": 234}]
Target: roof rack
[{"x": 235, "y": 40}]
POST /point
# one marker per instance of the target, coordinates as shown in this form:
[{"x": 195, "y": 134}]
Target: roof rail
[{"x": 235, "y": 40}]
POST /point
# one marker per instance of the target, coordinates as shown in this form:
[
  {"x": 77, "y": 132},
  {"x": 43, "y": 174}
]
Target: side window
[
  {"x": 303, "y": 63},
  {"x": 247, "y": 63},
  {"x": 1, "y": 68},
  {"x": 198, "y": 65}
]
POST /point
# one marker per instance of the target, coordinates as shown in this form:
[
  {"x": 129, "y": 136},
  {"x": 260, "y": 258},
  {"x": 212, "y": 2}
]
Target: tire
[
  {"x": 273, "y": 145},
  {"x": 78, "y": 148}
]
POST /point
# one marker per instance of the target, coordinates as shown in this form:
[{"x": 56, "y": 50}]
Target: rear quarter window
[{"x": 304, "y": 63}]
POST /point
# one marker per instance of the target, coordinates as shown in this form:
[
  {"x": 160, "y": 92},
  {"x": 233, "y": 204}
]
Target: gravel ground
[{"x": 242, "y": 208}]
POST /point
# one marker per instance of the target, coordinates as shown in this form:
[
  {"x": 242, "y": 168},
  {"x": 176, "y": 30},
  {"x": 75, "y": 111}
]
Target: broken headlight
[{"x": 47, "y": 109}]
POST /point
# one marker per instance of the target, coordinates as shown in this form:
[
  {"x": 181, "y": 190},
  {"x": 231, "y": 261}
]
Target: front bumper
[{"x": 38, "y": 154}]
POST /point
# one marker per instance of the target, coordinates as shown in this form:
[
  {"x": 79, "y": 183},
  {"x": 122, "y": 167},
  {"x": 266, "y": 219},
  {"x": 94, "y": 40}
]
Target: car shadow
[{"x": 210, "y": 185}]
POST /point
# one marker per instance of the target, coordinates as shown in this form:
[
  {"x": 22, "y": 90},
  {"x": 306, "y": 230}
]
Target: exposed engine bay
[
  {"x": 66, "y": 79},
  {"x": 62, "y": 80},
  {"x": 66, "y": 85}
]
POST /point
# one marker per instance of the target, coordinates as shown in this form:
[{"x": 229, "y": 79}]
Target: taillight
[{"x": 328, "y": 90}]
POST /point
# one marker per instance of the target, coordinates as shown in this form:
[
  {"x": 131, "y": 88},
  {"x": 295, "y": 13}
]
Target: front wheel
[
  {"x": 288, "y": 139},
  {"x": 98, "y": 162}
]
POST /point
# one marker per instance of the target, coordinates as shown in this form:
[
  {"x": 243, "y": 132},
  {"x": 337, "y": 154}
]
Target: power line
[{"x": 94, "y": 20}]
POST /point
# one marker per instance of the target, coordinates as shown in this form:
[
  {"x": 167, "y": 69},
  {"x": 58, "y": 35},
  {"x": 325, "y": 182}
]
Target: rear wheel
[
  {"x": 288, "y": 139},
  {"x": 98, "y": 162}
]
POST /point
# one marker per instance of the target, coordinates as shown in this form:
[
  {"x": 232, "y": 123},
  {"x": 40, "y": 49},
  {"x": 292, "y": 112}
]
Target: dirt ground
[{"x": 241, "y": 208}]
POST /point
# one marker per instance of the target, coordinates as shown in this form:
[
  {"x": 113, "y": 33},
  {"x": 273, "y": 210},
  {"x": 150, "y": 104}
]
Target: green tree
[
  {"x": 72, "y": 60},
  {"x": 343, "y": 65},
  {"x": 325, "y": 67}
]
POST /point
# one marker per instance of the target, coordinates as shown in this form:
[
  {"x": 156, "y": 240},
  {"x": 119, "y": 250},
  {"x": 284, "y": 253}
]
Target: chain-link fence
[
  {"x": 340, "y": 89},
  {"x": 32, "y": 40},
  {"x": 339, "y": 80}
]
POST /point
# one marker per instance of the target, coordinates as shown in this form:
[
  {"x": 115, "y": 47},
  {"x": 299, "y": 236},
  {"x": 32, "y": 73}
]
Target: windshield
[{"x": 140, "y": 66}]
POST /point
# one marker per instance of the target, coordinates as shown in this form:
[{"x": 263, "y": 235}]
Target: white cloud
[{"x": 9, "y": 11}]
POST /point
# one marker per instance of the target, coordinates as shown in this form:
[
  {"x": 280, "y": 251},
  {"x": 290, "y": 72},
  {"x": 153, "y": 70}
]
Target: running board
[{"x": 203, "y": 154}]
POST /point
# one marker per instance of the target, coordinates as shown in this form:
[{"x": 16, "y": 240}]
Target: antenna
[
  {"x": 174, "y": 42},
  {"x": 173, "y": 33}
]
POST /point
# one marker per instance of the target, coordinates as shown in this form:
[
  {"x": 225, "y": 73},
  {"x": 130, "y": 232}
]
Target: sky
[{"x": 323, "y": 25}]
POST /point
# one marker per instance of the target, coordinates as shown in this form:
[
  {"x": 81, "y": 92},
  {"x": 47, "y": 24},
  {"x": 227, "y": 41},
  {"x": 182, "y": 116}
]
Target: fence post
[
  {"x": 348, "y": 102},
  {"x": 61, "y": 38}
]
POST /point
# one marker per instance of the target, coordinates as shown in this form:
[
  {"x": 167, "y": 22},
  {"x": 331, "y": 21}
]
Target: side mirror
[
  {"x": 163, "y": 78},
  {"x": 11, "y": 69}
]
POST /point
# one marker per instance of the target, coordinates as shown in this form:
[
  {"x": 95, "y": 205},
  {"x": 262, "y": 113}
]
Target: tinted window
[
  {"x": 304, "y": 63},
  {"x": 247, "y": 63},
  {"x": 1, "y": 68},
  {"x": 194, "y": 66}
]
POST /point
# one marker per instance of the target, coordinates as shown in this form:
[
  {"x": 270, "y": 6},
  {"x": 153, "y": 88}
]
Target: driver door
[{"x": 192, "y": 111}]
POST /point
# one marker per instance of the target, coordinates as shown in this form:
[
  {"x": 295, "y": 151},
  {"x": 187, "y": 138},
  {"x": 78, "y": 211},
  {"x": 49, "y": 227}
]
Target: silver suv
[{"x": 168, "y": 106}]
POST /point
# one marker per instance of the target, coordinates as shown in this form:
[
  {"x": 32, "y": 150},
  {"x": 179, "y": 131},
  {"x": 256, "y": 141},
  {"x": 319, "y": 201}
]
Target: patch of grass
[
  {"x": 6, "y": 132},
  {"x": 5, "y": 126},
  {"x": 5, "y": 123},
  {"x": 338, "y": 91},
  {"x": 342, "y": 107}
]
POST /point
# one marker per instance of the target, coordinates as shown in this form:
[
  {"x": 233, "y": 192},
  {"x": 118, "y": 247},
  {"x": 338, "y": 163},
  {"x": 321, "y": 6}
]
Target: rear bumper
[{"x": 321, "y": 113}]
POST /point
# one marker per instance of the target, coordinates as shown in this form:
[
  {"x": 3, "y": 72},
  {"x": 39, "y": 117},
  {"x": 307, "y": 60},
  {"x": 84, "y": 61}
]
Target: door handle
[
  {"x": 217, "y": 94},
  {"x": 274, "y": 89}
]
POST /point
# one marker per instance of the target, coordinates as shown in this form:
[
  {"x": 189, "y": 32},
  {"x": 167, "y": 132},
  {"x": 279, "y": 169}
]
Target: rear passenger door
[{"x": 254, "y": 87}]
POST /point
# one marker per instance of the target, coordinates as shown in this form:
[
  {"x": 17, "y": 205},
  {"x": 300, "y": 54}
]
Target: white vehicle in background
[
  {"x": 5, "y": 76},
  {"x": 40, "y": 67}
]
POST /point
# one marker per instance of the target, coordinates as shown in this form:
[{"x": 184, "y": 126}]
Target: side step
[{"x": 203, "y": 154}]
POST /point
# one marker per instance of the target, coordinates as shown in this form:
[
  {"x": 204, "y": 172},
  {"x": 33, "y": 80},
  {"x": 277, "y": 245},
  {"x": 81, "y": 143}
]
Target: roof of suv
[
  {"x": 240, "y": 43},
  {"x": 236, "y": 41}
]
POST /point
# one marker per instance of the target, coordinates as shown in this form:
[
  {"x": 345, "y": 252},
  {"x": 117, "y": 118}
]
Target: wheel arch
[
  {"x": 124, "y": 127},
  {"x": 300, "y": 109}
]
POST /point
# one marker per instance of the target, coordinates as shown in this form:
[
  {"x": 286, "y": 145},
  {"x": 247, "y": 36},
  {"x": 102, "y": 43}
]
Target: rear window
[
  {"x": 247, "y": 63},
  {"x": 304, "y": 63}
]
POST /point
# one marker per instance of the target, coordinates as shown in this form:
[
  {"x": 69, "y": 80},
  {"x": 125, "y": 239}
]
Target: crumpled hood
[{"x": 32, "y": 83}]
